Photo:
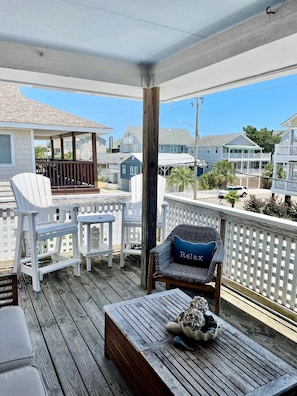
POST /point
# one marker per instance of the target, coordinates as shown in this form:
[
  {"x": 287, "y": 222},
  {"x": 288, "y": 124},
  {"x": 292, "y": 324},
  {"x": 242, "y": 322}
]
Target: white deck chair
[
  {"x": 132, "y": 218},
  {"x": 40, "y": 224}
]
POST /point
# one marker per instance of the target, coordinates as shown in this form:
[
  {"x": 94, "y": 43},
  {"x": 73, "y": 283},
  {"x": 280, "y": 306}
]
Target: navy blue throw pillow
[{"x": 191, "y": 253}]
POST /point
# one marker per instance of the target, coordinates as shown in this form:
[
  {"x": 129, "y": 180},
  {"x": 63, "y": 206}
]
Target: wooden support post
[
  {"x": 52, "y": 149},
  {"x": 73, "y": 147},
  {"x": 62, "y": 147},
  {"x": 94, "y": 157},
  {"x": 150, "y": 176}
]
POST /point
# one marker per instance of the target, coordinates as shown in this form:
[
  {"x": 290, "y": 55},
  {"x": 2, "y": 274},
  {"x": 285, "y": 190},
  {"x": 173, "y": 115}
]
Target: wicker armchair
[{"x": 162, "y": 267}]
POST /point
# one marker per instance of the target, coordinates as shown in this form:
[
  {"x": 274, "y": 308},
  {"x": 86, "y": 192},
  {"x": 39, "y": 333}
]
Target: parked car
[{"x": 241, "y": 190}]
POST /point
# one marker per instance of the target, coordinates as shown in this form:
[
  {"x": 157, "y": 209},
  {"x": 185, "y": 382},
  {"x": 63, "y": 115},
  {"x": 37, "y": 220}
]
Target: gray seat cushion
[
  {"x": 15, "y": 344},
  {"x": 23, "y": 381},
  {"x": 187, "y": 273}
]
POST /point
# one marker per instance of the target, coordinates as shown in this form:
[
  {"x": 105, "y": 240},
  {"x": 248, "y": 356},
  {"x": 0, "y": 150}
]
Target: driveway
[{"x": 212, "y": 197}]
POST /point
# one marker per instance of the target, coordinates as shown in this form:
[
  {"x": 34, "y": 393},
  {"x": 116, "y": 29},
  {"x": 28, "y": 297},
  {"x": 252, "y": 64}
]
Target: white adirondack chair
[
  {"x": 40, "y": 229},
  {"x": 132, "y": 218}
]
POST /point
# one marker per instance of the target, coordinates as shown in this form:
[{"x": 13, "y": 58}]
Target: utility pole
[
  {"x": 196, "y": 147},
  {"x": 196, "y": 128}
]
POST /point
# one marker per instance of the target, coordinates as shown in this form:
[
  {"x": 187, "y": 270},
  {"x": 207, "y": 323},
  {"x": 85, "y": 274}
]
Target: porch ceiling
[{"x": 119, "y": 47}]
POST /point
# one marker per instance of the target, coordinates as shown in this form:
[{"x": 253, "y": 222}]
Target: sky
[{"x": 262, "y": 105}]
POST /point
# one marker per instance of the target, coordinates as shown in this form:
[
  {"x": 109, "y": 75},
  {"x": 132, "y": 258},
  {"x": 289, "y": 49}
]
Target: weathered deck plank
[{"x": 66, "y": 324}]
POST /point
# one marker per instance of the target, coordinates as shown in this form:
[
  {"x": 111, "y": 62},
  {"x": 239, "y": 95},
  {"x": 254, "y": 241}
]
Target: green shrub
[
  {"x": 292, "y": 211},
  {"x": 275, "y": 207},
  {"x": 254, "y": 204},
  {"x": 272, "y": 207}
]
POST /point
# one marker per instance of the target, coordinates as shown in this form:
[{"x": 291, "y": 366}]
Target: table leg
[
  {"x": 110, "y": 244},
  {"x": 88, "y": 236}
]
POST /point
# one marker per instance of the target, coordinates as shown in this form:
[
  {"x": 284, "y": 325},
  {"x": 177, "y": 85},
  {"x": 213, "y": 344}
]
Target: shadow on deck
[{"x": 66, "y": 324}]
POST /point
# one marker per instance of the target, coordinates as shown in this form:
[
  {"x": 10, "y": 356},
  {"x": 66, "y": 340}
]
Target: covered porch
[
  {"x": 72, "y": 165},
  {"x": 156, "y": 51}
]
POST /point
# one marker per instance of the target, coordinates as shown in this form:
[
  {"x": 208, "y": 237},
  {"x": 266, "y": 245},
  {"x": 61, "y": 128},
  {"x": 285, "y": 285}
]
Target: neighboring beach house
[
  {"x": 171, "y": 140},
  {"x": 285, "y": 154},
  {"x": 246, "y": 156},
  {"x": 132, "y": 165},
  {"x": 23, "y": 121}
]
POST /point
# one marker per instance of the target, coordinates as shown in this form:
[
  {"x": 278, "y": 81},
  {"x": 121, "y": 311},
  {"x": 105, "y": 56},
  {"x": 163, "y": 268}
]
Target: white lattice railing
[{"x": 260, "y": 250}]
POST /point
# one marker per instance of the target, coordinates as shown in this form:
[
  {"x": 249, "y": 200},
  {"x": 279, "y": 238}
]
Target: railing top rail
[{"x": 265, "y": 221}]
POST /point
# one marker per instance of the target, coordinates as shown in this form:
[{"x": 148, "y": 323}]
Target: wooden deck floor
[{"x": 66, "y": 324}]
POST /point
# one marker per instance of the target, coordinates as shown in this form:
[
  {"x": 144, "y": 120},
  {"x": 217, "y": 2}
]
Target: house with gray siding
[
  {"x": 171, "y": 140},
  {"x": 245, "y": 155}
]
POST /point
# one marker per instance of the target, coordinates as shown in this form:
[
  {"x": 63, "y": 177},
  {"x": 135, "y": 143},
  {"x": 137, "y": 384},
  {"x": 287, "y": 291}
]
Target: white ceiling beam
[
  {"x": 23, "y": 63},
  {"x": 256, "y": 33}
]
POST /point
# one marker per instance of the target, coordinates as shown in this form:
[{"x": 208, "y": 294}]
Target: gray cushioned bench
[{"x": 18, "y": 376}]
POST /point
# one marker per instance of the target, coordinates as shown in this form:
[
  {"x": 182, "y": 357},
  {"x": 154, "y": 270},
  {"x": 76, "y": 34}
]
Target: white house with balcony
[
  {"x": 285, "y": 155},
  {"x": 246, "y": 156}
]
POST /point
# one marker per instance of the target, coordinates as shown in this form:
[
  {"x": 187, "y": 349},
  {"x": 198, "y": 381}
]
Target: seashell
[
  {"x": 173, "y": 327},
  {"x": 180, "y": 316},
  {"x": 198, "y": 335},
  {"x": 179, "y": 342}
]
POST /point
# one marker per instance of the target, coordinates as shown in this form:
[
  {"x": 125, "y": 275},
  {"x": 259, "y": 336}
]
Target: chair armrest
[
  {"x": 25, "y": 212},
  {"x": 218, "y": 256},
  {"x": 216, "y": 261},
  {"x": 162, "y": 255}
]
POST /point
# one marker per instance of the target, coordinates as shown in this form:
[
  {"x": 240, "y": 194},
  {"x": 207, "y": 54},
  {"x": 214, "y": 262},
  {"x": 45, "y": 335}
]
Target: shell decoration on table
[{"x": 195, "y": 322}]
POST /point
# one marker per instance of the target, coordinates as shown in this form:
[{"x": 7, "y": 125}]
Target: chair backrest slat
[{"x": 31, "y": 191}]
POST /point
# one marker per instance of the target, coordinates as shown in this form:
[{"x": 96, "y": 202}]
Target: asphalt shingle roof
[
  {"x": 16, "y": 108},
  {"x": 170, "y": 136},
  {"x": 218, "y": 140}
]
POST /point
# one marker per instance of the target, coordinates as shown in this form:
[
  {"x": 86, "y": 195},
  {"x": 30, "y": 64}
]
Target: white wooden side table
[{"x": 91, "y": 239}]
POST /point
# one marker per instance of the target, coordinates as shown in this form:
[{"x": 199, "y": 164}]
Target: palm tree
[
  {"x": 232, "y": 197},
  {"x": 222, "y": 173},
  {"x": 268, "y": 173},
  {"x": 181, "y": 177},
  {"x": 225, "y": 173}
]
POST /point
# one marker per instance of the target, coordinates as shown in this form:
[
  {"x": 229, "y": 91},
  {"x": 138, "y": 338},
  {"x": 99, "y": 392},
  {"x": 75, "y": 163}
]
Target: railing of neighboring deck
[{"x": 65, "y": 174}]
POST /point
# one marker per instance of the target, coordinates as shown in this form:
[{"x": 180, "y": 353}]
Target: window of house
[
  {"x": 124, "y": 169},
  {"x": 217, "y": 150},
  {"x": 133, "y": 170},
  {"x": 5, "y": 149}
]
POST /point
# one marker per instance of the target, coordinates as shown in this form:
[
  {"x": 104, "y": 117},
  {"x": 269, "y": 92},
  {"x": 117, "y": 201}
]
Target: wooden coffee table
[{"x": 141, "y": 348}]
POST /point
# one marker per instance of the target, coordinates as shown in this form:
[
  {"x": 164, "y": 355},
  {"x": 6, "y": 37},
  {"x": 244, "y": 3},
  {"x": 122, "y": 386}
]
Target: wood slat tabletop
[{"x": 232, "y": 364}]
